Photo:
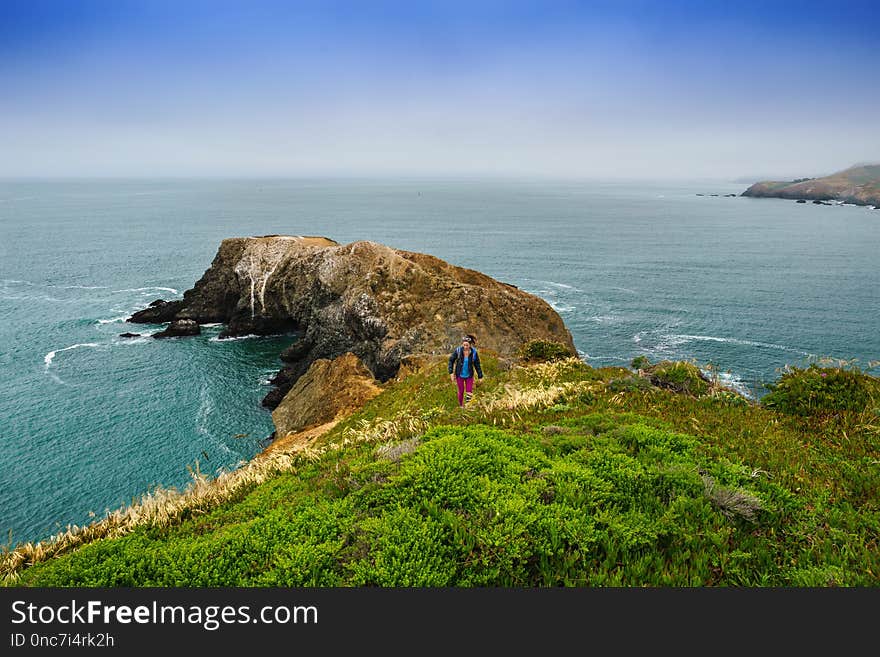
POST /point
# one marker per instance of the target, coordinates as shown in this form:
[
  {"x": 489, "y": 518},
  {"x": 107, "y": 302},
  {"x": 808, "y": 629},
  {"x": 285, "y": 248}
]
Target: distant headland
[{"x": 859, "y": 185}]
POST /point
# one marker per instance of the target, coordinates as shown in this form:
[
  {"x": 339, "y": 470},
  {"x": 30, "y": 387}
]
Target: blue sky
[{"x": 626, "y": 89}]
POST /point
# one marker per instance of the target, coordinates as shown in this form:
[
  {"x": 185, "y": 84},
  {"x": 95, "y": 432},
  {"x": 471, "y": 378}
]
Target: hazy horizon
[{"x": 626, "y": 90}]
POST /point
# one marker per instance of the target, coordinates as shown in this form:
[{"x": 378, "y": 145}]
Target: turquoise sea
[{"x": 90, "y": 420}]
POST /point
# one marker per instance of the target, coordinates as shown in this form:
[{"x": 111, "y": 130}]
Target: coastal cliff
[
  {"x": 378, "y": 303},
  {"x": 859, "y": 185}
]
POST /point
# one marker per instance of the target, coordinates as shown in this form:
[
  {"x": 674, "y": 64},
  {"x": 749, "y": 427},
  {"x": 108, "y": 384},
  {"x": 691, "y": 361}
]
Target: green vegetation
[
  {"x": 640, "y": 363},
  {"x": 678, "y": 376},
  {"x": 557, "y": 474},
  {"x": 817, "y": 390},
  {"x": 544, "y": 350}
]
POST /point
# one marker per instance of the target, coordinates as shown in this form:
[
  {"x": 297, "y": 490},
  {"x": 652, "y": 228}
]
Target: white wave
[
  {"x": 144, "y": 338},
  {"x": 625, "y": 289},
  {"x": 16, "y": 281},
  {"x": 561, "y": 307},
  {"x": 682, "y": 339},
  {"x": 730, "y": 381},
  {"x": 206, "y": 407},
  {"x": 637, "y": 338},
  {"x": 212, "y": 324},
  {"x": 206, "y": 410},
  {"x": 112, "y": 320},
  {"x": 667, "y": 342},
  {"x": 559, "y": 286},
  {"x": 37, "y": 297},
  {"x": 603, "y": 319},
  {"x": 562, "y": 285},
  {"x": 237, "y": 337},
  {"x": 148, "y": 289},
  {"x": 48, "y": 358}
]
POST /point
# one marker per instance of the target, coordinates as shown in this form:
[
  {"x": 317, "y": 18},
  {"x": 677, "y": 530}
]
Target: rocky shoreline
[
  {"x": 858, "y": 185},
  {"x": 364, "y": 301}
]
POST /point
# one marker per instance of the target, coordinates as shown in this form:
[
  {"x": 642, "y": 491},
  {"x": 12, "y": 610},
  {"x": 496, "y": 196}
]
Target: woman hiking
[{"x": 463, "y": 362}]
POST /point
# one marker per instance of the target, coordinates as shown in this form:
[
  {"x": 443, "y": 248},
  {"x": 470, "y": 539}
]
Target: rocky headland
[
  {"x": 859, "y": 185},
  {"x": 363, "y": 309}
]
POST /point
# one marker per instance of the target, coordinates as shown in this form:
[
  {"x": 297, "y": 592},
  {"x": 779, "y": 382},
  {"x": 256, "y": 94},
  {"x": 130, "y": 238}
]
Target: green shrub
[
  {"x": 629, "y": 384},
  {"x": 640, "y": 363},
  {"x": 545, "y": 350},
  {"x": 679, "y": 376},
  {"x": 817, "y": 390}
]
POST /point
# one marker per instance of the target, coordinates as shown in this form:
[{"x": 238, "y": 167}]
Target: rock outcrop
[
  {"x": 180, "y": 328},
  {"x": 379, "y": 303},
  {"x": 158, "y": 312},
  {"x": 859, "y": 185},
  {"x": 328, "y": 391}
]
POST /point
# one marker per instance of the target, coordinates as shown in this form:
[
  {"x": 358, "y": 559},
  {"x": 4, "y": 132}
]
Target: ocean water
[{"x": 90, "y": 421}]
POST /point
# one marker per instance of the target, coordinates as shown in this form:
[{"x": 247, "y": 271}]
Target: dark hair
[{"x": 470, "y": 338}]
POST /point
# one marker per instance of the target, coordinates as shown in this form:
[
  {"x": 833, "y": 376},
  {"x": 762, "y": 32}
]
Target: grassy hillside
[
  {"x": 557, "y": 474},
  {"x": 859, "y": 184}
]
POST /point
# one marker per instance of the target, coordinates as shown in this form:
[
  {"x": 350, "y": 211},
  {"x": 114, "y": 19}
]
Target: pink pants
[{"x": 464, "y": 385}]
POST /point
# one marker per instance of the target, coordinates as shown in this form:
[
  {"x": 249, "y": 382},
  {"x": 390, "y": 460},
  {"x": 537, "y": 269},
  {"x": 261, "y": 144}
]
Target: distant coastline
[{"x": 857, "y": 185}]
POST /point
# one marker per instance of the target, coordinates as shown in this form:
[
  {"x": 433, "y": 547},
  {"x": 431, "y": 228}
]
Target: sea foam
[
  {"x": 148, "y": 289},
  {"x": 237, "y": 337},
  {"x": 48, "y": 358}
]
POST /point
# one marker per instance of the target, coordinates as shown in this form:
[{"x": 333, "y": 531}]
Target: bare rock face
[
  {"x": 329, "y": 390},
  {"x": 378, "y": 303},
  {"x": 158, "y": 312}
]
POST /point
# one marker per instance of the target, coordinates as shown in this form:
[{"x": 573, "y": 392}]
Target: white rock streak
[{"x": 260, "y": 259}]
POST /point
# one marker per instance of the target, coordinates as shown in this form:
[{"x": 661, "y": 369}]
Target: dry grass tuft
[
  {"x": 557, "y": 369},
  {"x": 402, "y": 426},
  {"x": 515, "y": 398},
  {"x": 394, "y": 452},
  {"x": 731, "y": 502}
]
